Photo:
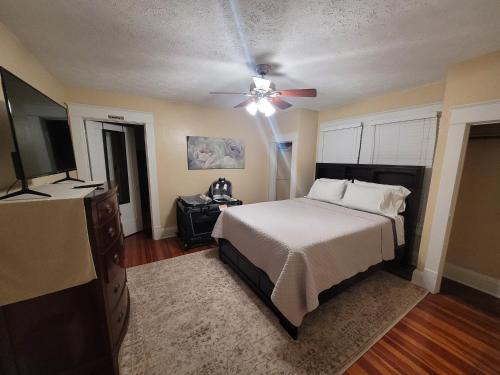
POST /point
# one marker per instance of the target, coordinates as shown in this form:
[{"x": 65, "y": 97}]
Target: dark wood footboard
[{"x": 258, "y": 280}]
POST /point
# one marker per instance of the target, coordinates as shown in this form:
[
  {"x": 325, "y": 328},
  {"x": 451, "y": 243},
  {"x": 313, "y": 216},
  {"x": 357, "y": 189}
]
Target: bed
[{"x": 296, "y": 254}]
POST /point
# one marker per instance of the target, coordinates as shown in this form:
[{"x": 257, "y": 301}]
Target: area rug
[{"x": 193, "y": 315}]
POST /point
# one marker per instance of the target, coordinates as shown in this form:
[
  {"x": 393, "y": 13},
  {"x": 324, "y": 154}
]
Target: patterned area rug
[{"x": 193, "y": 315}]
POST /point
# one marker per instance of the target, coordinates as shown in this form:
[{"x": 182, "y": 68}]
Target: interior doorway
[
  {"x": 79, "y": 113},
  {"x": 283, "y": 170},
  {"x": 473, "y": 255},
  {"x": 116, "y": 152},
  {"x": 461, "y": 119}
]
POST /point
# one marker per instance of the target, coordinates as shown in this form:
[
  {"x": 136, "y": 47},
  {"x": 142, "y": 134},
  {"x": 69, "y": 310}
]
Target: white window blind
[
  {"x": 341, "y": 145},
  {"x": 405, "y": 143}
]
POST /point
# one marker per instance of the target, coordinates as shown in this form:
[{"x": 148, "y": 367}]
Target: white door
[
  {"x": 103, "y": 142},
  {"x": 281, "y": 185},
  {"x": 283, "y": 170}
]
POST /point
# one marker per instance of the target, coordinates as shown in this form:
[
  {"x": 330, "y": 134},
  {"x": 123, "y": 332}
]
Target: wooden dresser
[{"x": 77, "y": 330}]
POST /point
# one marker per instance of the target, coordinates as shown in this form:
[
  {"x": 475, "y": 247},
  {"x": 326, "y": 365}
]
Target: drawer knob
[
  {"x": 116, "y": 257},
  {"x": 111, "y": 232},
  {"x": 109, "y": 209},
  {"x": 116, "y": 288}
]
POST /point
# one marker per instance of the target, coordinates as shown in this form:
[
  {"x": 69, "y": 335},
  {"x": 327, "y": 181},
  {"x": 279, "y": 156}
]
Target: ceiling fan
[{"x": 263, "y": 96}]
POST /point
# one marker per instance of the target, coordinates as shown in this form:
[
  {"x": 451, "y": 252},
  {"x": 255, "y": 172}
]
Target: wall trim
[
  {"x": 476, "y": 280},
  {"x": 78, "y": 113},
  {"x": 426, "y": 279},
  {"x": 164, "y": 232},
  {"x": 376, "y": 118},
  {"x": 483, "y": 112},
  {"x": 461, "y": 119}
]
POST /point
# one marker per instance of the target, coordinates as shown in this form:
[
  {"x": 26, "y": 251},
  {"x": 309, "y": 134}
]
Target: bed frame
[{"x": 410, "y": 177}]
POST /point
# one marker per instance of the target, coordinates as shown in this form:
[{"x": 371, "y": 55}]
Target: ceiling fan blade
[
  {"x": 243, "y": 103},
  {"x": 280, "y": 103},
  {"x": 299, "y": 92},
  {"x": 228, "y": 93}
]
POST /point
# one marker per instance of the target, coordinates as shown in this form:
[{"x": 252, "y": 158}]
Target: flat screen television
[{"x": 40, "y": 131}]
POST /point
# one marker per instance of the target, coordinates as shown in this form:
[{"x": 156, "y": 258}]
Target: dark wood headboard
[{"x": 411, "y": 177}]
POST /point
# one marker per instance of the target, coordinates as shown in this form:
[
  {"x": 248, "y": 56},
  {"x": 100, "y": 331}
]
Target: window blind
[
  {"x": 405, "y": 143},
  {"x": 341, "y": 145}
]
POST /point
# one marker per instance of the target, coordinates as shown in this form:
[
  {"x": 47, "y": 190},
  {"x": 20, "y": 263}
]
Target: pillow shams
[
  {"x": 400, "y": 192},
  {"x": 366, "y": 198},
  {"x": 327, "y": 190}
]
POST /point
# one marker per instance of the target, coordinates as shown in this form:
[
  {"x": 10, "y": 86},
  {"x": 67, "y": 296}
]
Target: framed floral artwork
[{"x": 215, "y": 153}]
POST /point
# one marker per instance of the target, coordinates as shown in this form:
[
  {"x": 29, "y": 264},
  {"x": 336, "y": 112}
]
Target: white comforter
[{"x": 306, "y": 246}]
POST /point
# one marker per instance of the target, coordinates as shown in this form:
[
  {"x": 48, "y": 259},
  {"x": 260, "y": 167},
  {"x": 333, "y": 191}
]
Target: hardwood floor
[
  {"x": 454, "y": 332},
  {"x": 140, "y": 249}
]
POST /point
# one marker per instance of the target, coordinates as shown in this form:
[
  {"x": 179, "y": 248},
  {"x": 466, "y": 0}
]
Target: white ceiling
[{"x": 181, "y": 50}]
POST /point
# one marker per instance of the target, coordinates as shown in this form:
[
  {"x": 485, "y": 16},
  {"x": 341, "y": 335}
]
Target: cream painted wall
[
  {"x": 472, "y": 81},
  {"x": 304, "y": 123},
  {"x": 306, "y": 160},
  {"x": 421, "y": 95},
  {"x": 173, "y": 122},
  {"x": 473, "y": 242},
  {"x": 17, "y": 59}
]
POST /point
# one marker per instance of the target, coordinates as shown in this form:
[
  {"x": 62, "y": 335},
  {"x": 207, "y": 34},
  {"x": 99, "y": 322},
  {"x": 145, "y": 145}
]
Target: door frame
[
  {"x": 132, "y": 215},
  {"x": 78, "y": 113},
  {"x": 461, "y": 119},
  {"x": 283, "y": 138}
]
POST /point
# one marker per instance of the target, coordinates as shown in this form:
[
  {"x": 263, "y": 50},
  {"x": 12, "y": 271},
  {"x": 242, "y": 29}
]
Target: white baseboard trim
[
  {"x": 427, "y": 279},
  {"x": 164, "y": 232},
  {"x": 484, "y": 283}
]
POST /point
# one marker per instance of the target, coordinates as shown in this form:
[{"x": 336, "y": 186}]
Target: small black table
[{"x": 196, "y": 222}]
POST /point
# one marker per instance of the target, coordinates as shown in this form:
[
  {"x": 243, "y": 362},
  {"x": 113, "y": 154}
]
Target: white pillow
[
  {"x": 370, "y": 199},
  {"x": 400, "y": 192},
  {"x": 327, "y": 190}
]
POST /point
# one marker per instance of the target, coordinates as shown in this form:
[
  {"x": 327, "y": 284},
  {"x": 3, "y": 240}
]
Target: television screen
[
  {"x": 40, "y": 129},
  {"x": 7, "y": 175}
]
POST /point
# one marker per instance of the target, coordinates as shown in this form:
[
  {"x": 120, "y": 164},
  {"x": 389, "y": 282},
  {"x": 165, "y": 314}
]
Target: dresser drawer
[
  {"x": 108, "y": 234},
  {"x": 116, "y": 277},
  {"x": 107, "y": 209},
  {"x": 119, "y": 316}
]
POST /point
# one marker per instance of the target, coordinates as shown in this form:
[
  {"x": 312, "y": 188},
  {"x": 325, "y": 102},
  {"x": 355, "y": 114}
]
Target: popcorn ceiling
[{"x": 181, "y": 50}]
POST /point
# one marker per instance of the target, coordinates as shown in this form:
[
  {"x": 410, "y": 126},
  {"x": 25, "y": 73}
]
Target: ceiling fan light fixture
[
  {"x": 265, "y": 107},
  {"x": 261, "y": 83},
  {"x": 270, "y": 112},
  {"x": 263, "y": 97},
  {"x": 252, "y": 108}
]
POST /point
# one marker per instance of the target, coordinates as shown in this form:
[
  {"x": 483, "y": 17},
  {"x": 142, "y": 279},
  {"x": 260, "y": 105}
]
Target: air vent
[{"x": 113, "y": 117}]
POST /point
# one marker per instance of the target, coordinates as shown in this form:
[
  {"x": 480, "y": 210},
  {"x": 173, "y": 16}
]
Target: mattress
[{"x": 306, "y": 246}]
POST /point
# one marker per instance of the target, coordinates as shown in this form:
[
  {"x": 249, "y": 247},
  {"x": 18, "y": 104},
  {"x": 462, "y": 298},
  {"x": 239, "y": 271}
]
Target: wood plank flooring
[
  {"x": 140, "y": 249},
  {"x": 441, "y": 335},
  {"x": 454, "y": 332}
]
